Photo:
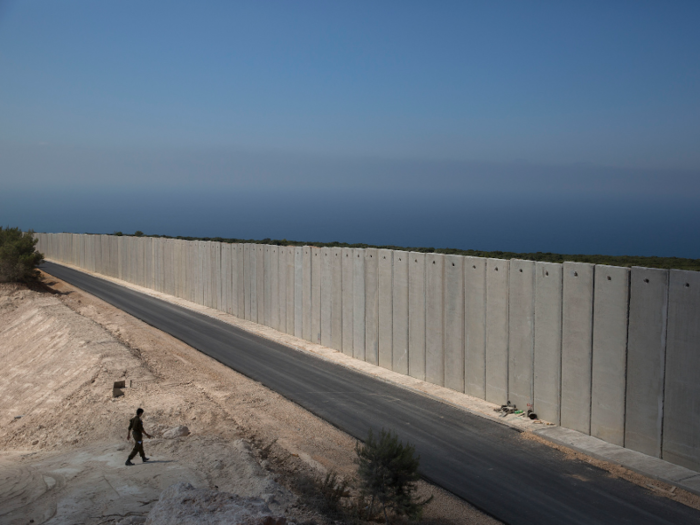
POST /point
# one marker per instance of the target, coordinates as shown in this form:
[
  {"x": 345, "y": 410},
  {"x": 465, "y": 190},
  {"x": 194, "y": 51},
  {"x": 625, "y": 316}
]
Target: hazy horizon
[{"x": 539, "y": 127}]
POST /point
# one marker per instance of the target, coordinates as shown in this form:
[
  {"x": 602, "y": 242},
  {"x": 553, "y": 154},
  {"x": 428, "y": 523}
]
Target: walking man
[{"x": 136, "y": 428}]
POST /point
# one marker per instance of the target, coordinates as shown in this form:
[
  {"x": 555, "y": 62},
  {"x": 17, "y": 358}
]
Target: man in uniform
[{"x": 136, "y": 428}]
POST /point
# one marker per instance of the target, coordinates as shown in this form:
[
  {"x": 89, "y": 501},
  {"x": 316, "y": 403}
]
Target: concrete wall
[
  {"x": 681, "y": 427},
  {"x": 521, "y": 332},
  {"x": 609, "y": 367},
  {"x": 607, "y": 351},
  {"x": 547, "y": 358},
  {"x": 577, "y": 343}
]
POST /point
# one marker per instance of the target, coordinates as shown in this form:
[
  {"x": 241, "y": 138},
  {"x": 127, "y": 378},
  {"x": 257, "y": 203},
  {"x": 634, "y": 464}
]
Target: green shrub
[
  {"x": 388, "y": 472},
  {"x": 18, "y": 256}
]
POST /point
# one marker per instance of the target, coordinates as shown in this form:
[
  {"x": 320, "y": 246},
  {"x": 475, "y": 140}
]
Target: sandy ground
[{"x": 63, "y": 434}]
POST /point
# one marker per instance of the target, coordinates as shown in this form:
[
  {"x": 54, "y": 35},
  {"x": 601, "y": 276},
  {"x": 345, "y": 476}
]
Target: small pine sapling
[{"x": 388, "y": 472}]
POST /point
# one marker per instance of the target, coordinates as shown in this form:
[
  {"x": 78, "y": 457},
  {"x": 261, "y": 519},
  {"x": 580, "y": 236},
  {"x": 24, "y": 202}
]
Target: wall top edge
[{"x": 384, "y": 250}]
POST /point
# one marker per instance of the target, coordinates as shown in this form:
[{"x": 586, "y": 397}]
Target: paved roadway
[{"x": 517, "y": 481}]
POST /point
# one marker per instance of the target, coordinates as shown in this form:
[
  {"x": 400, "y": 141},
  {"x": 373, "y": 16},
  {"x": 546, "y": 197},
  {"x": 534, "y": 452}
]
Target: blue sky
[{"x": 547, "y": 100}]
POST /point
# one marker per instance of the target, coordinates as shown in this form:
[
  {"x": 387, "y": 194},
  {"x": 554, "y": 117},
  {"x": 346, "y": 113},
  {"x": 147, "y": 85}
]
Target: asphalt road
[{"x": 515, "y": 480}]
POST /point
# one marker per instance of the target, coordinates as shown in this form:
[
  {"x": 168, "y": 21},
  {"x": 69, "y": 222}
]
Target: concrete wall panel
[
  {"x": 400, "y": 313},
  {"x": 577, "y": 342},
  {"x": 267, "y": 285},
  {"x": 224, "y": 277},
  {"x": 233, "y": 279},
  {"x": 547, "y": 367},
  {"x": 347, "y": 300},
  {"x": 260, "y": 282},
  {"x": 434, "y": 318},
  {"x": 316, "y": 304},
  {"x": 241, "y": 279},
  {"x": 207, "y": 264},
  {"x": 234, "y": 268},
  {"x": 298, "y": 289},
  {"x": 385, "y": 262},
  {"x": 358, "y": 337},
  {"x": 251, "y": 308},
  {"x": 416, "y": 315},
  {"x": 372, "y": 306},
  {"x": 187, "y": 281},
  {"x": 496, "y": 331},
  {"x": 336, "y": 299},
  {"x": 202, "y": 286},
  {"x": 274, "y": 280},
  {"x": 475, "y": 326},
  {"x": 326, "y": 257},
  {"x": 521, "y": 332},
  {"x": 290, "y": 297},
  {"x": 306, "y": 293},
  {"x": 454, "y": 322},
  {"x": 610, "y": 308},
  {"x": 282, "y": 287},
  {"x": 681, "y": 427},
  {"x": 216, "y": 274}
]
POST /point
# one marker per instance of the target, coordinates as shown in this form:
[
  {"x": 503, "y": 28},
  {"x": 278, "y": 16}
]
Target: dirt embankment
[{"x": 63, "y": 434}]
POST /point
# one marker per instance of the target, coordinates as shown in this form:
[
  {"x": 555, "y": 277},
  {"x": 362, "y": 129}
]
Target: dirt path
[{"x": 62, "y": 460}]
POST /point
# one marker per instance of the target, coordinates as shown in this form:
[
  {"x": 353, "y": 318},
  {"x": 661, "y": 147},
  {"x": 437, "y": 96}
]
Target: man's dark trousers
[{"x": 138, "y": 449}]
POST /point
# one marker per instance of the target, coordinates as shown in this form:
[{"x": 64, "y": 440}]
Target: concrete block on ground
[
  {"x": 521, "y": 332},
  {"x": 372, "y": 305},
  {"x": 475, "y": 326},
  {"x": 326, "y": 296},
  {"x": 316, "y": 287},
  {"x": 454, "y": 322},
  {"x": 347, "y": 269},
  {"x": 434, "y": 318},
  {"x": 608, "y": 375},
  {"x": 496, "y": 331},
  {"x": 400, "y": 313},
  {"x": 416, "y": 315},
  {"x": 385, "y": 262},
  {"x": 577, "y": 343},
  {"x": 681, "y": 426},
  {"x": 336, "y": 299},
  {"x": 646, "y": 360},
  {"x": 306, "y": 293},
  {"x": 298, "y": 289},
  {"x": 547, "y": 367},
  {"x": 358, "y": 318}
]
